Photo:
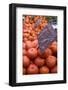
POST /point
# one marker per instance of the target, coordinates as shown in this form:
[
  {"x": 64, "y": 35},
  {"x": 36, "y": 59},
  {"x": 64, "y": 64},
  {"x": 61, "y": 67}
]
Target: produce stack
[{"x": 34, "y": 61}]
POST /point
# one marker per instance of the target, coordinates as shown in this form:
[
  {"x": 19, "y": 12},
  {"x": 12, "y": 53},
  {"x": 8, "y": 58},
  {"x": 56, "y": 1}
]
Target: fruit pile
[{"x": 35, "y": 62}]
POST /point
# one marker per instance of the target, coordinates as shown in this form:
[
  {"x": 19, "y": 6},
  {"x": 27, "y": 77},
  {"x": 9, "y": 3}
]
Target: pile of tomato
[{"x": 35, "y": 62}]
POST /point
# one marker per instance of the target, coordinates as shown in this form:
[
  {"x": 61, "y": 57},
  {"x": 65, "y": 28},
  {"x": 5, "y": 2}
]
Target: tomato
[
  {"x": 47, "y": 52},
  {"x": 28, "y": 44},
  {"x": 51, "y": 61},
  {"x": 39, "y": 61},
  {"x": 32, "y": 69},
  {"x": 53, "y": 47},
  {"x": 44, "y": 70},
  {"x": 32, "y": 53},
  {"x": 54, "y": 69},
  {"x": 26, "y": 61}
]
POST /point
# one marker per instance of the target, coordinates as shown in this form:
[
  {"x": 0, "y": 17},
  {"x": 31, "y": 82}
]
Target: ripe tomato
[
  {"x": 28, "y": 44},
  {"x": 32, "y": 69},
  {"x": 26, "y": 61},
  {"x": 51, "y": 61},
  {"x": 53, "y": 47},
  {"x": 54, "y": 69},
  {"x": 44, "y": 70},
  {"x": 39, "y": 61},
  {"x": 32, "y": 53}
]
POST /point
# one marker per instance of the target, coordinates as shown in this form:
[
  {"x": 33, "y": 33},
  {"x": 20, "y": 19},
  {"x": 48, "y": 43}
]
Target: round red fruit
[
  {"x": 39, "y": 61},
  {"x": 32, "y": 69},
  {"x": 54, "y": 69},
  {"x": 28, "y": 44},
  {"x": 26, "y": 61},
  {"x": 32, "y": 53},
  {"x": 44, "y": 70},
  {"x": 51, "y": 61}
]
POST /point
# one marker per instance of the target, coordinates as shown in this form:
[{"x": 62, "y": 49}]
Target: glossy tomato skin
[
  {"x": 44, "y": 70},
  {"x": 32, "y": 53},
  {"x": 26, "y": 61},
  {"x": 39, "y": 61},
  {"x": 54, "y": 69},
  {"x": 51, "y": 61},
  {"x": 32, "y": 69}
]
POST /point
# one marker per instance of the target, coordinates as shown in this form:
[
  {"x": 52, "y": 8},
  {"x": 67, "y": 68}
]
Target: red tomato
[
  {"x": 39, "y": 61},
  {"x": 32, "y": 69},
  {"x": 32, "y": 53},
  {"x": 53, "y": 47},
  {"x": 44, "y": 70},
  {"x": 28, "y": 44},
  {"x": 26, "y": 61},
  {"x": 54, "y": 69},
  {"x": 51, "y": 61}
]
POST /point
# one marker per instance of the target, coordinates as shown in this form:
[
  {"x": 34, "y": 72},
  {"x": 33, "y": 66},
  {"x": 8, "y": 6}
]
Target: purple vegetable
[{"x": 46, "y": 37}]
